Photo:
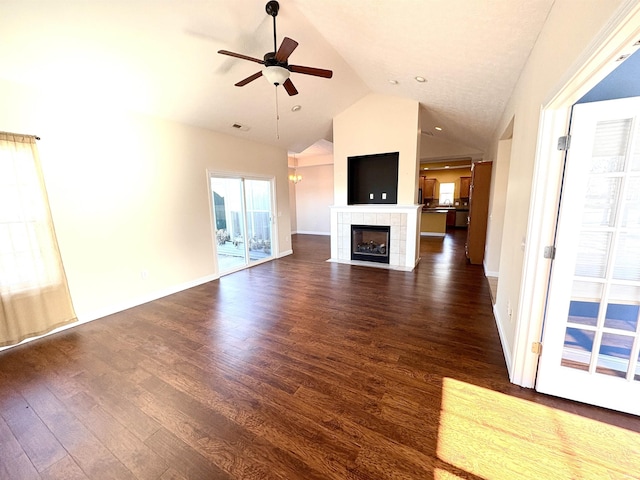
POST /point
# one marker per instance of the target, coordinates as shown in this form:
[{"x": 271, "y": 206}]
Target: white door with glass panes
[{"x": 591, "y": 337}]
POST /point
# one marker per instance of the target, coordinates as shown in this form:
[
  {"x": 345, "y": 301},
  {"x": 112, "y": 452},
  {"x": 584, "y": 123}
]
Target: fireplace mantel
[{"x": 404, "y": 221}]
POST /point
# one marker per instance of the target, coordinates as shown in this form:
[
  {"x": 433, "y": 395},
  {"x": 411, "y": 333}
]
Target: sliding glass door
[
  {"x": 242, "y": 216},
  {"x": 259, "y": 217},
  {"x": 229, "y": 221}
]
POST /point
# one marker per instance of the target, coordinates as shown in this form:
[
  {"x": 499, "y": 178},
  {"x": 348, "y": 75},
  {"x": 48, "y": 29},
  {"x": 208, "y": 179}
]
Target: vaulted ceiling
[{"x": 159, "y": 57}]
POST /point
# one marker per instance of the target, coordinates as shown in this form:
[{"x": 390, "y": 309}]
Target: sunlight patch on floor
[
  {"x": 491, "y": 435},
  {"x": 440, "y": 474}
]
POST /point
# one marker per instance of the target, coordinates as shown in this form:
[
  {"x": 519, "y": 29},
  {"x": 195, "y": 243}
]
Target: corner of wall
[{"x": 506, "y": 346}]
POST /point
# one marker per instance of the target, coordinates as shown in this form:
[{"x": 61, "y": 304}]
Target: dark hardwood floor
[{"x": 300, "y": 369}]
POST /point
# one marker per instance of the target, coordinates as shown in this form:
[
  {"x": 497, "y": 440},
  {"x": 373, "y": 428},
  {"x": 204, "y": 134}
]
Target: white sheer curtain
[{"x": 34, "y": 297}]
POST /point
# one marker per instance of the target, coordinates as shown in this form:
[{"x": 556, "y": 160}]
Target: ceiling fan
[{"x": 277, "y": 69}]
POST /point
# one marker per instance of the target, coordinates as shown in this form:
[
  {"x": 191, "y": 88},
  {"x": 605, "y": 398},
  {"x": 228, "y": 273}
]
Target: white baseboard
[
  {"x": 285, "y": 253},
  {"x": 503, "y": 341},
  {"x": 432, "y": 234},
  {"x": 304, "y": 232},
  {"x": 97, "y": 314},
  {"x": 488, "y": 273},
  {"x": 87, "y": 317}
]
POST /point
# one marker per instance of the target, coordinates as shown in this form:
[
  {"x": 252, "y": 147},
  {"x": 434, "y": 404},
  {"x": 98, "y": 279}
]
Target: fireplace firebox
[{"x": 370, "y": 243}]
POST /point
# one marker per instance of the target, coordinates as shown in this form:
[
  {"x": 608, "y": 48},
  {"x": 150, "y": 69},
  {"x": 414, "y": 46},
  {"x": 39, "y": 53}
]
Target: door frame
[
  {"x": 274, "y": 224},
  {"x": 599, "y": 59}
]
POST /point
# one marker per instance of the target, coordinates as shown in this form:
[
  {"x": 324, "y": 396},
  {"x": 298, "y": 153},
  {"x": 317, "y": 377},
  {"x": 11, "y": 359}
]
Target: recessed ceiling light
[
  {"x": 438, "y": 128},
  {"x": 393, "y": 82},
  {"x": 420, "y": 79},
  {"x": 296, "y": 108}
]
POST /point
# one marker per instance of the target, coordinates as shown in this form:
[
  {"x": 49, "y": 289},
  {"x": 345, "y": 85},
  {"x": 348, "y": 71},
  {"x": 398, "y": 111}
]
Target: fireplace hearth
[
  {"x": 403, "y": 222},
  {"x": 370, "y": 243}
]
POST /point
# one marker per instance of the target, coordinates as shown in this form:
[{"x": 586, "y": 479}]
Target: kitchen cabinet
[
  {"x": 478, "y": 211},
  {"x": 434, "y": 222},
  {"x": 462, "y": 217},
  {"x": 428, "y": 186},
  {"x": 451, "y": 218},
  {"x": 465, "y": 187}
]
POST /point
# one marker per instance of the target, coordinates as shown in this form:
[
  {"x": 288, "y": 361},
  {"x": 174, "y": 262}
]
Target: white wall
[
  {"x": 497, "y": 205},
  {"x": 378, "y": 124},
  {"x": 314, "y": 196},
  {"x": 129, "y": 193},
  {"x": 293, "y": 211},
  {"x": 567, "y": 33}
]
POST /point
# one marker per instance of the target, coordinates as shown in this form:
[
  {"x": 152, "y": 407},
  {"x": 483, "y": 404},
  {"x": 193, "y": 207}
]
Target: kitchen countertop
[
  {"x": 445, "y": 209},
  {"x": 436, "y": 210}
]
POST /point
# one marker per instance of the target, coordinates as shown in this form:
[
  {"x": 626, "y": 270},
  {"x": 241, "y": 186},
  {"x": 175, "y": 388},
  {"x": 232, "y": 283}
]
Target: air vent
[{"x": 238, "y": 126}]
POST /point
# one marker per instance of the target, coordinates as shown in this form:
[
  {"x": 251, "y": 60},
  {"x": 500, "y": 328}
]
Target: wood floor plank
[
  {"x": 238, "y": 404},
  {"x": 87, "y": 451},
  {"x": 137, "y": 457},
  {"x": 40, "y": 445},
  {"x": 64, "y": 469},
  {"x": 184, "y": 459},
  {"x": 171, "y": 474},
  {"x": 14, "y": 462},
  {"x": 112, "y": 400},
  {"x": 300, "y": 369}
]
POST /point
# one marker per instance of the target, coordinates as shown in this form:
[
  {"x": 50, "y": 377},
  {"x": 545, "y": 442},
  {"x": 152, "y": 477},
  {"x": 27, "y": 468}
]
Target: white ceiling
[{"x": 159, "y": 57}]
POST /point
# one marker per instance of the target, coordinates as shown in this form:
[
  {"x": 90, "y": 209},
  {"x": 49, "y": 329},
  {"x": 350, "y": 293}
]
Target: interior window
[{"x": 446, "y": 193}]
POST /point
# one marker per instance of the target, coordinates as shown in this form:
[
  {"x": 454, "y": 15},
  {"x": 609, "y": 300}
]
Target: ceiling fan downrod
[{"x": 272, "y": 9}]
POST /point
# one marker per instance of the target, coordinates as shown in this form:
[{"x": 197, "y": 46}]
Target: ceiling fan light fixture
[
  {"x": 420, "y": 79},
  {"x": 275, "y": 75}
]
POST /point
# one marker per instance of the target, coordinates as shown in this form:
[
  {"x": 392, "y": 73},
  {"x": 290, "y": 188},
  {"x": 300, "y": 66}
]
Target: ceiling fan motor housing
[{"x": 270, "y": 61}]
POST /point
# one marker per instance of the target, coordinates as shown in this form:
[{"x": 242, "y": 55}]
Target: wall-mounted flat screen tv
[{"x": 373, "y": 179}]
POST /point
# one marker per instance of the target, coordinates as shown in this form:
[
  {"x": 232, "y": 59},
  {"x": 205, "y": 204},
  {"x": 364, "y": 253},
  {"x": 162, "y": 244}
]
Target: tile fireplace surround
[{"x": 404, "y": 221}]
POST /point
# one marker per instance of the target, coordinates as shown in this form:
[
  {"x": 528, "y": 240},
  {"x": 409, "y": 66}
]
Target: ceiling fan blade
[
  {"x": 242, "y": 83},
  {"x": 316, "y": 72},
  {"x": 289, "y": 87},
  {"x": 287, "y": 47},
  {"x": 239, "y": 55}
]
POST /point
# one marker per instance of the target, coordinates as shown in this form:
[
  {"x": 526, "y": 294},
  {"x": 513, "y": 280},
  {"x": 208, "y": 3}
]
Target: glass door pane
[
  {"x": 608, "y": 251},
  {"x": 592, "y": 327},
  {"x": 259, "y": 218},
  {"x": 229, "y": 221}
]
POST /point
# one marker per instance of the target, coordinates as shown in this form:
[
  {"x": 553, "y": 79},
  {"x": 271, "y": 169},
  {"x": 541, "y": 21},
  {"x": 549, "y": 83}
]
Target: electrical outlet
[
  {"x": 144, "y": 274},
  {"x": 371, "y": 196}
]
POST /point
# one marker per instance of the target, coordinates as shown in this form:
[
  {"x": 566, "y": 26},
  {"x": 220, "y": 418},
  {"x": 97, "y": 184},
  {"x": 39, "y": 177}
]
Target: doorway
[
  {"x": 601, "y": 58},
  {"x": 243, "y": 221}
]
